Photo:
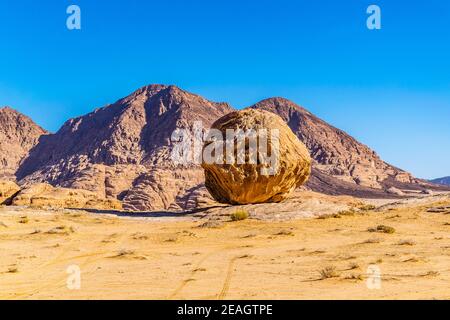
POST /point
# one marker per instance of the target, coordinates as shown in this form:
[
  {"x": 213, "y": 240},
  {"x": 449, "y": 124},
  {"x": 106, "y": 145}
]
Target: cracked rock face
[{"x": 234, "y": 183}]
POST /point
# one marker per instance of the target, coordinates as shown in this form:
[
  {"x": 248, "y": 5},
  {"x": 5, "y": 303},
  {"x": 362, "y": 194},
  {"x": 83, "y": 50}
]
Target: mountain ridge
[
  {"x": 441, "y": 181},
  {"x": 122, "y": 150}
]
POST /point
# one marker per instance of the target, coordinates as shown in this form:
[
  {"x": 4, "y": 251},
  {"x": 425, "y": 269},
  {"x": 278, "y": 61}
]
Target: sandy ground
[{"x": 171, "y": 258}]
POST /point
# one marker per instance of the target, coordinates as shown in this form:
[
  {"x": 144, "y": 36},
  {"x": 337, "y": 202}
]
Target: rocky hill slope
[
  {"x": 336, "y": 154},
  {"x": 123, "y": 149},
  {"x": 18, "y": 134}
]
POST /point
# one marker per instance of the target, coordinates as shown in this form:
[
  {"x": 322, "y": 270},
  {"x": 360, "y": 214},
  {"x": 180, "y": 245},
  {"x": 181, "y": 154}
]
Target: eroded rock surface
[
  {"x": 44, "y": 195},
  {"x": 246, "y": 183},
  {"x": 8, "y": 190}
]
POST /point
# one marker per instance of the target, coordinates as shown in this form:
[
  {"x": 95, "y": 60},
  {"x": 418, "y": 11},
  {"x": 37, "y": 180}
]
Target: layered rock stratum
[
  {"x": 18, "y": 135},
  {"x": 123, "y": 150},
  {"x": 44, "y": 195},
  {"x": 260, "y": 180}
]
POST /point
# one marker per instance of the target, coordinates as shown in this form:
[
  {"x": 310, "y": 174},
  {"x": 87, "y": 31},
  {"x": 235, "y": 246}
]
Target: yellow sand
[{"x": 123, "y": 258}]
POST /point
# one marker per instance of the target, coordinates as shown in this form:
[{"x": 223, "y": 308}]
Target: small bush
[
  {"x": 239, "y": 215},
  {"x": 62, "y": 230},
  {"x": 285, "y": 233},
  {"x": 367, "y": 207},
  {"x": 349, "y": 213},
  {"x": 24, "y": 219},
  {"x": 382, "y": 229},
  {"x": 328, "y": 272},
  {"x": 329, "y": 216}
]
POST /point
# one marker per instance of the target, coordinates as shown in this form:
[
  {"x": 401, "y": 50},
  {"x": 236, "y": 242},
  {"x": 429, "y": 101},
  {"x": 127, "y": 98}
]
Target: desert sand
[{"x": 167, "y": 256}]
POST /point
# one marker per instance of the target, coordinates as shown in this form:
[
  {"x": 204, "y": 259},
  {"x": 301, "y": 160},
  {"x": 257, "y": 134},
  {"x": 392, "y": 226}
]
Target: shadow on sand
[{"x": 150, "y": 214}]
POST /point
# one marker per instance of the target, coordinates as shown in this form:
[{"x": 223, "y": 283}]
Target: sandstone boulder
[
  {"x": 45, "y": 195},
  {"x": 8, "y": 189},
  {"x": 236, "y": 183},
  {"x": 395, "y": 191}
]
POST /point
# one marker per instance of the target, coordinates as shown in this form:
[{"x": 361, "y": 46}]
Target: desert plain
[{"x": 205, "y": 255}]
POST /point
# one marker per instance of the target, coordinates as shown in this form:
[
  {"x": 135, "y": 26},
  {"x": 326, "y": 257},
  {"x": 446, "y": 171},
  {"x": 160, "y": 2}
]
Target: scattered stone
[{"x": 396, "y": 191}]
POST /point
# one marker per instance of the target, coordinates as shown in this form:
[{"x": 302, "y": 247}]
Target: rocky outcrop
[
  {"x": 257, "y": 181},
  {"x": 8, "y": 190},
  {"x": 395, "y": 191},
  {"x": 18, "y": 135},
  {"x": 44, "y": 195}
]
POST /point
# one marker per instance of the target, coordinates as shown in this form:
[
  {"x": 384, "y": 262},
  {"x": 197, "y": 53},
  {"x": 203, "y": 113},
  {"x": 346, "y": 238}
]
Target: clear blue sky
[{"x": 389, "y": 88}]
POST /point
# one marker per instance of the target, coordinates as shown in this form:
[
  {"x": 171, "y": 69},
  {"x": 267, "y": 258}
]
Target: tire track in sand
[{"x": 229, "y": 275}]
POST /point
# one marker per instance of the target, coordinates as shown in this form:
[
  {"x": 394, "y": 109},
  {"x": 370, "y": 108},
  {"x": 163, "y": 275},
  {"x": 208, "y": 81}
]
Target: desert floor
[{"x": 174, "y": 258}]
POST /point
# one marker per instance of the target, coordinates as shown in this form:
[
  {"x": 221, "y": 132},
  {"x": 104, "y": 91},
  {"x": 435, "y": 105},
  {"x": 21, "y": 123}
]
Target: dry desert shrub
[
  {"x": 329, "y": 216},
  {"x": 24, "y": 220},
  {"x": 348, "y": 213},
  {"x": 382, "y": 229},
  {"x": 63, "y": 230},
  {"x": 328, "y": 272},
  {"x": 239, "y": 215},
  {"x": 367, "y": 207},
  {"x": 285, "y": 233}
]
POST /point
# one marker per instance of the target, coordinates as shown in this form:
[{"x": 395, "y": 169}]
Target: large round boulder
[{"x": 236, "y": 181}]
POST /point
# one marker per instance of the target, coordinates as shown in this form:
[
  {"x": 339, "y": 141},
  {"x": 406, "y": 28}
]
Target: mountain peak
[
  {"x": 8, "y": 109},
  {"x": 18, "y": 135},
  {"x": 281, "y": 106}
]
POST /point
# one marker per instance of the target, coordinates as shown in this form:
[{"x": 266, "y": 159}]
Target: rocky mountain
[
  {"x": 442, "y": 181},
  {"x": 336, "y": 154},
  {"x": 123, "y": 151},
  {"x": 18, "y": 135}
]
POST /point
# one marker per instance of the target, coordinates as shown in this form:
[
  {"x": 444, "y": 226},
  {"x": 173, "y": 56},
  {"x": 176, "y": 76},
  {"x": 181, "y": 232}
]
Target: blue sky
[{"x": 389, "y": 88}]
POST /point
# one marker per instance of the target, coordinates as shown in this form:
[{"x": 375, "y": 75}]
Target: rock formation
[
  {"x": 18, "y": 134},
  {"x": 122, "y": 151},
  {"x": 235, "y": 183},
  {"x": 44, "y": 195},
  {"x": 8, "y": 190}
]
